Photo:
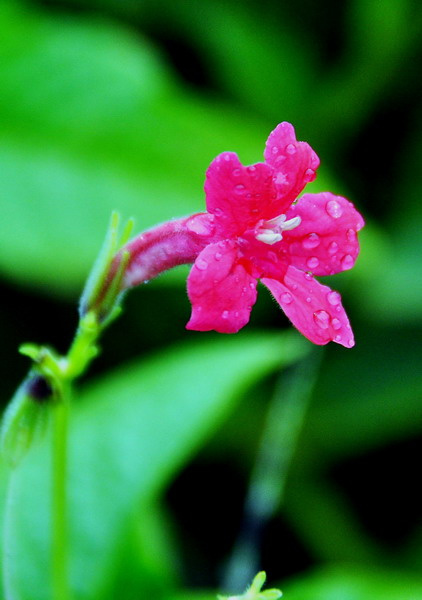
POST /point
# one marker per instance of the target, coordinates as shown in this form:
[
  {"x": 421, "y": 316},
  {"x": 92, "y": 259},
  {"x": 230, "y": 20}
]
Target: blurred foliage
[{"x": 122, "y": 104}]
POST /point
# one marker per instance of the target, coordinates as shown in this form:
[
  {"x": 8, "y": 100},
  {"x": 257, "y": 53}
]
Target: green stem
[{"x": 60, "y": 578}]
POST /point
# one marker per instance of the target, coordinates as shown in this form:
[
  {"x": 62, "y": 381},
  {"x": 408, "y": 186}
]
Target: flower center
[{"x": 270, "y": 232}]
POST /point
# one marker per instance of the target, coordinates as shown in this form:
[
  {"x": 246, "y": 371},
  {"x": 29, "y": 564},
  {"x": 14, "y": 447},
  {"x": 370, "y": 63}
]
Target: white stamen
[
  {"x": 268, "y": 236},
  {"x": 271, "y": 231}
]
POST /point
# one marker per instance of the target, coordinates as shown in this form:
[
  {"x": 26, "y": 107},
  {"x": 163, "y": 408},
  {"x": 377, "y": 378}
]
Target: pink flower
[{"x": 260, "y": 232}]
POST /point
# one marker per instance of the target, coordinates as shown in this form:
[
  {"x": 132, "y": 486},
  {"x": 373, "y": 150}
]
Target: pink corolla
[
  {"x": 261, "y": 232},
  {"x": 255, "y": 228}
]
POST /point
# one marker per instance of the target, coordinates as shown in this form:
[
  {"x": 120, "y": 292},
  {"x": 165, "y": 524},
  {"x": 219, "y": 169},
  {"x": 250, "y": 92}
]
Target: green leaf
[
  {"x": 131, "y": 433},
  {"x": 354, "y": 583}
]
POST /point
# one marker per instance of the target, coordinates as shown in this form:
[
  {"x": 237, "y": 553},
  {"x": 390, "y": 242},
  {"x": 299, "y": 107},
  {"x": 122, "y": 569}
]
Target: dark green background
[{"x": 108, "y": 104}]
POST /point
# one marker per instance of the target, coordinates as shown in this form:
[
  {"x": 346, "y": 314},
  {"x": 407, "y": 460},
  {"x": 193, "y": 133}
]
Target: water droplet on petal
[
  {"x": 338, "y": 338},
  {"x": 286, "y": 298},
  {"x": 244, "y": 290},
  {"x": 322, "y": 319},
  {"x": 236, "y": 314},
  {"x": 308, "y": 299},
  {"x": 332, "y": 248},
  {"x": 308, "y": 276},
  {"x": 309, "y": 175},
  {"x": 272, "y": 256},
  {"x": 225, "y": 314},
  {"x": 294, "y": 286},
  {"x": 251, "y": 169},
  {"x": 350, "y": 343},
  {"x": 239, "y": 188},
  {"x": 347, "y": 262},
  {"x": 218, "y": 256},
  {"x": 311, "y": 241},
  {"x": 236, "y": 172},
  {"x": 351, "y": 235},
  {"x": 201, "y": 264},
  {"x": 200, "y": 225},
  {"x": 312, "y": 262},
  {"x": 252, "y": 285},
  {"x": 336, "y": 323},
  {"x": 334, "y": 209},
  {"x": 280, "y": 179},
  {"x": 291, "y": 149},
  {"x": 274, "y": 150},
  {"x": 218, "y": 212},
  {"x": 333, "y": 298}
]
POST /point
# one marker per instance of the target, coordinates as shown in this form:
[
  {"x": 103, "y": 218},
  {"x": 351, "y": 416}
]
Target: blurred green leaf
[
  {"x": 353, "y": 582},
  {"x": 92, "y": 121},
  {"x": 349, "y": 582},
  {"x": 131, "y": 432}
]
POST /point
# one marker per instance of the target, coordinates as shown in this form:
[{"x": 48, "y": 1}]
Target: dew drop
[
  {"x": 272, "y": 256},
  {"x": 252, "y": 285},
  {"x": 334, "y": 298},
  {"x": 218, "y": 256},
  {"x": 236, "y": 172},
  {"x": 336, "y": 323},
  {"x": 244, "y": 290},
  {"x": 332, "y": 248},
  {"x": 286, "y": 298},
  {"x": 308, "y": 276},
  {"x": 201, "y": 264},
  {"x": 308, "y": 299},
  {"x": 309, "y": 175},
  {"x": 200, "y": 226},
  {"x": 322, "y": 318},
  {"x": 334, "y": 209},
  {"x": 251, "y": 169},
  {"x": 347, "y": 262},
  {"x": 337, "y": 338},
  {"x": 350, "y": 343},
  {"x": 294, "y": 286},
  {"x": 280, "y": 179},
  {"x": 227, "y": 157},
  {"x": 239, "y": 188},
  {"x": 218, "y": 212},
  {"x": 236, "y": 314},
  {"x": 351, "y": 235},
  {"x": 225, "y": 314},
  {"x": 311, "y": 241},
  {"x": 274, "y": 150},
  {"x": 291, "y": 149},
  {"x": 312, "y": 262}
]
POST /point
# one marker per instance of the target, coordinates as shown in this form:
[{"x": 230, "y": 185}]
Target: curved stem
[{"x": 286, "y": 415}]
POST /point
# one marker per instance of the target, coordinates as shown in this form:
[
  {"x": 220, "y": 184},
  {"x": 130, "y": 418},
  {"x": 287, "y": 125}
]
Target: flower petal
[
  {"x": 294, "y": 163},
  {"x": 237, "y": 195},
  {"x": 325, "y": 242},
  {"x": 313, "y": 308},
  {"x": 220, "y": 289}
]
